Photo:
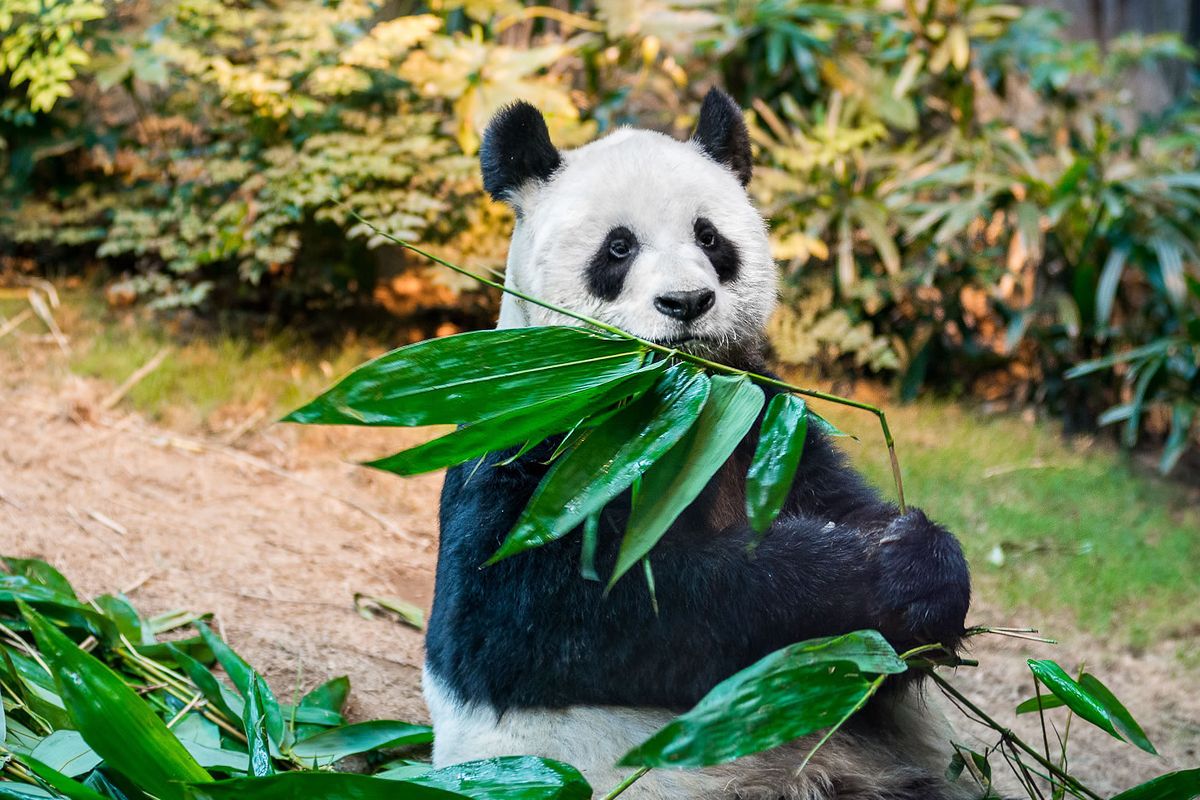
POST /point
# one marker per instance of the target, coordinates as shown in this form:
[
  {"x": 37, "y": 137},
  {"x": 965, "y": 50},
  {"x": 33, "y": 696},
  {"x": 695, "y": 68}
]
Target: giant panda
[{"x": 658, "y": 236}]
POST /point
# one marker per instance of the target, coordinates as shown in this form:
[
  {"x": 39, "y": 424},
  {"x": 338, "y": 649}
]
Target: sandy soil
[{"x": 277, "y": 534}]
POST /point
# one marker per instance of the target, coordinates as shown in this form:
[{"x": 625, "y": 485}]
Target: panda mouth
[{"x": 680, "y": 341}]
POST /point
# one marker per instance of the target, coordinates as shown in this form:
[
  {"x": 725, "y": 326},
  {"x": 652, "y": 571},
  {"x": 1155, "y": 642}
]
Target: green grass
[{"x": 1080, "y": 528}]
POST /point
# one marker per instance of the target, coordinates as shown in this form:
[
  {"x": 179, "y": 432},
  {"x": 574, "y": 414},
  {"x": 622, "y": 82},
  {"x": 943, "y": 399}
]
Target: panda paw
[{"x": 923, "y": 587}]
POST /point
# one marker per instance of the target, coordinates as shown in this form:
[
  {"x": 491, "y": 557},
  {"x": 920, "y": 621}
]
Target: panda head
[{"x": 637, "y": 229}]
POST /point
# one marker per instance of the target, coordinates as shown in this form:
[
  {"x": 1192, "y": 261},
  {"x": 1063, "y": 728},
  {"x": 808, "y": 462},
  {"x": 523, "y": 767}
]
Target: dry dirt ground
[{"x": 276, "y": 535}]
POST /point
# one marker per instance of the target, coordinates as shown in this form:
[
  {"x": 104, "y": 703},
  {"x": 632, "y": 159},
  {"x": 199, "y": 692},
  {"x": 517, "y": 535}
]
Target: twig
[
  {"x": 1012, "y": 738},
  {"x": 43, "y": 311},
  {"x": 15, "y": 322},
  {"x": 145, "y": 369},
  {"x": 663, "y": 349},
  {"x": 108, "y": 522},
  {"x": 625, "y": 784},
  {"x": 244, "y": 426}
]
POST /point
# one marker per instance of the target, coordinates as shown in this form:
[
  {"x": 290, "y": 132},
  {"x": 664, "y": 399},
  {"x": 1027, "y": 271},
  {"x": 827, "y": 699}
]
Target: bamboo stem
[
  {"x": 625, "y": 784},
  {"x": 665, "y": 350},
  {"x": 1013, "y": 739}
]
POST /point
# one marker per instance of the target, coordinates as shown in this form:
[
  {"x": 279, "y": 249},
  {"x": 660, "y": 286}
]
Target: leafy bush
[
  {"x": 986, "y": 205},
  {"x": 961, "y": 197}
]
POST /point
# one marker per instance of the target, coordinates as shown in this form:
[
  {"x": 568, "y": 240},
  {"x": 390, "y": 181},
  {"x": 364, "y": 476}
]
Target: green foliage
[
  {"x": 960, "y": 196},
  {"x": 986, "y": 204},
  {"x": 40, "y": 49},
  {"x": 139, "y": 722},
  {"x": 792, "y": 692}
]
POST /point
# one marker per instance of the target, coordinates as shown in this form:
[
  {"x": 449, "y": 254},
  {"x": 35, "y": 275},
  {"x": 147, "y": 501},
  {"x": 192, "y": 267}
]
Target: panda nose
[{"x": 685, "y": 306}]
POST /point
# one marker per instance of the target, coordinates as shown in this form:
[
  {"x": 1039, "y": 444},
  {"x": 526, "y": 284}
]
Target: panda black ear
[
  {"x": 721, "y": 134},
  {"x": 516, "y": 149}
]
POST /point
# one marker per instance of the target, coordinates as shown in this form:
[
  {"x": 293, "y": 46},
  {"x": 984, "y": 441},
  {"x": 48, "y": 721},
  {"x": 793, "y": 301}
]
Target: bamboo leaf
[
  {"x": 606, "y": 459},
  {"x": 70, "y": 789},
  {"x": 117, "y": 723},
  {"x": 243, "y": 677},
  {"x": 776, "y": 459},
  {"x": 317, "y": 786},
  {"x": 529, "y": 423},
  {"x": 510, "y": 777},
  {"x": 327, "y": 747},
  {"x": 462, "y": 378},
  {"x": 1043, "y": 703},
  {"x": 1092, "y": 702},
  {"x": 1116, "y": 712},
  {"x": 42, "y": 573},
  {"x": 792, "y": 692},
  {"x": 670, "y": 484},
  {"x": 254, "y": 722},
  {"x": 66, "y": 751},
  {"x": 1183, "y": 785}
]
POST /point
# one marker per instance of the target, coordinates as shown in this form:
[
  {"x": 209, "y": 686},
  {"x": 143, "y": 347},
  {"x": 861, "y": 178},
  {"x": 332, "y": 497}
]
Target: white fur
[
  {"x": 658, "y": 187},
  {"x": 594, "y": 738}
]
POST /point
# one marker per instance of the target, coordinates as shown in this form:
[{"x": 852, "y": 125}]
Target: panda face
[{"x": 644, "y": 232}]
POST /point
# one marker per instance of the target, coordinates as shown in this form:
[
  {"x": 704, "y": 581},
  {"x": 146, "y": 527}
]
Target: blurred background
[{"x": 986, "y": 218}]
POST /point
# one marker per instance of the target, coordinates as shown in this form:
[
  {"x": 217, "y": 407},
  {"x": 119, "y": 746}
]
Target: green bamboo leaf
[
  {"x": 532, "y": 423},
  {"x": 329, "y": 746},
  {"x": 674, "y": 481},
  {"x": 317, "y": 786},
  {"x": 65, "y": 751},
  {"x": 59, "y": 782},
  {"x": 1043, "y": 703},
  {"x": 243, "y": 677},
  {"x": 51, "y": 603},
  {"x": 220, "y": 696},
  {"x": 328, "y": 698},
  {"x": 330, "y": 695},
  {"x": 40, "y": 572},
  {"x": 125, "y": 617},
  {"x": 1183, "y": 785},
  {"x": 1117, "y": 713},
  {"x": 22, "y": 791},
  {"x": 117, "y": 723},
  {"x": 792, "y": 692},
  {"x": 462, "y": 378},
  {"x": 254, "y": 723},
  {"x": 1092, "y": 702},
  {"x": 606, "y": 459},
  {"x": 510, "y": 777},
  {"x": 776, "y": 459}
]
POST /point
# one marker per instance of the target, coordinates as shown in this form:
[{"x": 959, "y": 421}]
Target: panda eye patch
[
  {"x": 722, "y": 253},
  {"x": 610, "y": 264}
]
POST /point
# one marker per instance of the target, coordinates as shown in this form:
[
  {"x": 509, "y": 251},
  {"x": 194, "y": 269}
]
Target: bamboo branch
[{"x": 663, "y": 349}]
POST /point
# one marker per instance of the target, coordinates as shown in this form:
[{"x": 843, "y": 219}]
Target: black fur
[
  {"x": 516, "y": 149},
  {"x": 530, "y": 632},
  {"x": 722, "y": 135},
  {"x": 722, "y": 253},
  {"x": 605, "y": 271}
]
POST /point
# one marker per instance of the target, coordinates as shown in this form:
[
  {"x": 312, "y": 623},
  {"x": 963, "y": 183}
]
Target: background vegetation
[{"x": 961, "y": 197}]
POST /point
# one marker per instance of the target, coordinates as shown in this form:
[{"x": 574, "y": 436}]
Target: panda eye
[
  {"x": 707, "y": 238},
  {"x": 706, "y": 235},
  {"x": 619, "y": 248}
]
